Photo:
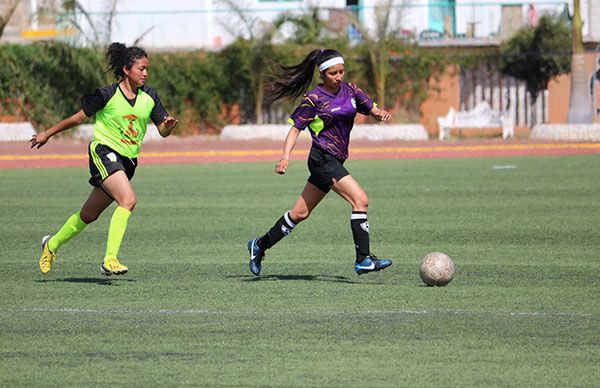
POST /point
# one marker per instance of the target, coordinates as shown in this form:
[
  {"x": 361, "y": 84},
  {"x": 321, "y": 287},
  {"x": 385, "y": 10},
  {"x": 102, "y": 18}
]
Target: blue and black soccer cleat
[
  {"x": 256, "y": 256},
  {"x": 371, "y": 264}
]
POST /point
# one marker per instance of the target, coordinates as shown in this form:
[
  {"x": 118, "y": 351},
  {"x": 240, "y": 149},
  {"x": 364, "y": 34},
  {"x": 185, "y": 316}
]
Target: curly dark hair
[
  {"x": 292, "y": 81},
  {"x": 119, "y": 55}
]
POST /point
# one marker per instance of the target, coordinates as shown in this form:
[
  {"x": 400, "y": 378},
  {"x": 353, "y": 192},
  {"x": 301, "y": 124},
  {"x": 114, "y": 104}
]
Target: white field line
[{"x": 77, "y": 310}]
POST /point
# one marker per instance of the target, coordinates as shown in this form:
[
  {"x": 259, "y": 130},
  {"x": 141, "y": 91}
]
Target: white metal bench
[{"x": 482, "y": 116}]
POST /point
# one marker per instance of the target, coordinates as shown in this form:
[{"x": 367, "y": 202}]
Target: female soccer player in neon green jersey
[{"x": 122, "y": 111}]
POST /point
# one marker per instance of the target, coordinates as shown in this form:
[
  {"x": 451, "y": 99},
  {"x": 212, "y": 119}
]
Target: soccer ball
[{"x": 437, "y": 269}]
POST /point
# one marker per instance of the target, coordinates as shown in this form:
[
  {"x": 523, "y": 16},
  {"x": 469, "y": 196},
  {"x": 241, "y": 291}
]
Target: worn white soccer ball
[{"x": 437, "y": 269}]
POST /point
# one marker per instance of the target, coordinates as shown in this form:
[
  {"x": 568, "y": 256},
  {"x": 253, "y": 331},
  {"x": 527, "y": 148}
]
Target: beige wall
[
  {"x": 560, "y": 90},
  {"x": 449, "y": 96}
]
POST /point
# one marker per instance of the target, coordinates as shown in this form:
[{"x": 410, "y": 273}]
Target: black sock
[
  {"x": 360, "y": 233},
  {"x": 282, "y": 228}
]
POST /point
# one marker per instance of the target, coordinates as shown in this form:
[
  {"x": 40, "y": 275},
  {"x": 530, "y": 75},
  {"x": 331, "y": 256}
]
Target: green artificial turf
[{"x": 522, "y": 310}]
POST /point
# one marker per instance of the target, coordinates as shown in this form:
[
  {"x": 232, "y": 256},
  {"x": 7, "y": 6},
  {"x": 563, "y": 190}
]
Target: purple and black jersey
[{"x": 330, "y": 117}]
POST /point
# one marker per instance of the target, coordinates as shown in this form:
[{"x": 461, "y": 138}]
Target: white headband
[{"x": 331, "y": 62}]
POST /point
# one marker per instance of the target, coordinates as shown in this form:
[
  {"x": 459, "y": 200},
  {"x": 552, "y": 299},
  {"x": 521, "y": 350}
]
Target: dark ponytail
[
  {"x": 292, "y": 81},
  {"x": 119, "y": 55}
]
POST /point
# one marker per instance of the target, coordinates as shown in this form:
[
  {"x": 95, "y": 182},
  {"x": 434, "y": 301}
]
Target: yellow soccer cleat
[
  {"x": 47, "y": 256},
  {"x": 113, "y": 267}
]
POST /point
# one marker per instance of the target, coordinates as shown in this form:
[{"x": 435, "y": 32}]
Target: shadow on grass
[
  {"x": 310, "y": 278},
  {"x": 99, "y": 281}
]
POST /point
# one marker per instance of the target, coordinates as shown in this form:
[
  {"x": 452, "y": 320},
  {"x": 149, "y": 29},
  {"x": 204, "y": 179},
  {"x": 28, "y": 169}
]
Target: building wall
[
  {"x": 556, "y": 100},
  {"x": 559, "y": 91},
  {"x": 448, "y": 96}
]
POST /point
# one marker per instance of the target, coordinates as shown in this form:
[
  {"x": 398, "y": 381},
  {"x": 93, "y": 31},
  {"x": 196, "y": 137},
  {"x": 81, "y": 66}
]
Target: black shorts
[
  {"x": 104, "y": 162},
  {"x": 323, "y": 168}
]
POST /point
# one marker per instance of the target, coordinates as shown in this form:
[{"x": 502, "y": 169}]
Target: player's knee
[
  {"x": 128, "y": 202},
  {"x": 361, "y": 203},
  {"x": 299, "y": 215}
]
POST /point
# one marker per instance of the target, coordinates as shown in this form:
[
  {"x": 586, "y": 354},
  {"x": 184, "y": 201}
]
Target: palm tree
[
  {"x": 308, "y": 27},
  {"x": 259, "y": 48},
  {"x": 379, "y": 48},
  {"x": 580, "y": 105}
]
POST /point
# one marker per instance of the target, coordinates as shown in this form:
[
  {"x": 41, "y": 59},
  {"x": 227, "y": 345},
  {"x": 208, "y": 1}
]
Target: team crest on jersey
[{"x": 353, "y": 102}]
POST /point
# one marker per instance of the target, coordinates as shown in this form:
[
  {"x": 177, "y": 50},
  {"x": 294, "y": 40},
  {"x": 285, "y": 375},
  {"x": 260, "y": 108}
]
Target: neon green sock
[
  {"x": 70, "y": 229},
  {"x": 116, "y": 231}
]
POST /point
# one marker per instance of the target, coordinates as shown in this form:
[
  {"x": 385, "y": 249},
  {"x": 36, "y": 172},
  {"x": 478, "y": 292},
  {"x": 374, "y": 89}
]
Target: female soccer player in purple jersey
[{"x": 328, "y": 111}]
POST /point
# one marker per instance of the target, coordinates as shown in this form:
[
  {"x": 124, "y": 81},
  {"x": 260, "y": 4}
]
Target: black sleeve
[
  {"x": 158, "y": 112},
  {"x": 97, "y": 100}
]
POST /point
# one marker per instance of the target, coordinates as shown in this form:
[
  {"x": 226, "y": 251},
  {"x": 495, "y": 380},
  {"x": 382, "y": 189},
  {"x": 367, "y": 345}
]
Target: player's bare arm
[
  {"x": 380, "y": 114},
  {"x": 167, "y": 126},
  {"x": 41, "y": 138},
  {"x": 288, "y": 146}
]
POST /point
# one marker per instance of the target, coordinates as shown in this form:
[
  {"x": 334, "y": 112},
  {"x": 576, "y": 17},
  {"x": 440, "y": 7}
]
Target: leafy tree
[
  {"x": 95, "y": 32},
  {"x": 307, "y": 27},
  {"x": 538, "y": 54},
  {"x": 381, "y": 46},
  {"x": 45, "y": 81},
  {"x": 190, "y": 84},
  {"x": 306, "y": 31},
  {"x": 234, "y": 64},
  {"x": 397, "y": 69},
  {"x": 259, "y": 48},
  {"x": 412, "y": 72}
]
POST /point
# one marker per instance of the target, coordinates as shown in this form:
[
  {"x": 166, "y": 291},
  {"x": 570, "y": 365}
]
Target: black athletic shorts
[
  {"x": 323, "y": 168},
  {"x": 104, "y": 162}
]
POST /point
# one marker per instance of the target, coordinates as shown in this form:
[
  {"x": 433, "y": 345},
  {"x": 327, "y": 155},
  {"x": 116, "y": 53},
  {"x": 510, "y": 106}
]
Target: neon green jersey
[{"x": 121, "y": 123}]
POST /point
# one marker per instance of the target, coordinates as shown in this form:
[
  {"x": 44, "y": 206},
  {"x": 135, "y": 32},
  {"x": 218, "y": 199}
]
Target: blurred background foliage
[{"x": 44, "y": 82}]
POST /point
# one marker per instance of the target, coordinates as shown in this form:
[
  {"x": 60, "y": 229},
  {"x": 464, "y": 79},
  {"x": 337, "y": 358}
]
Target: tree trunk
[
  {"x": 580, "y": 104},
  {"x": 6, "y": 12},
  {"x": 259, "y": 95},
  {"x": 378, "y": 49},
  {"x": 376, "y": 72},
  {"x": 382, "y": 76}
]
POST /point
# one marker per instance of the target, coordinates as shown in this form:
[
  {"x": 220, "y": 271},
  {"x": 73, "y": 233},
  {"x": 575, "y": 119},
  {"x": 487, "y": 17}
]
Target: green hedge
[{"x": 44, "y": 82}]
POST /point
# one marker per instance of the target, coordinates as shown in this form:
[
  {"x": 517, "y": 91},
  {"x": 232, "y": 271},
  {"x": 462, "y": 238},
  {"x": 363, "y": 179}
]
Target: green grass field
[{"x": 522, "y": 310}]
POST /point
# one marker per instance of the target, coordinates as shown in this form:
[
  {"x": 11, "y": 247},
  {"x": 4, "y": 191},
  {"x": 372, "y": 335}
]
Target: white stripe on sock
[{"x": 287, "y": 219}]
